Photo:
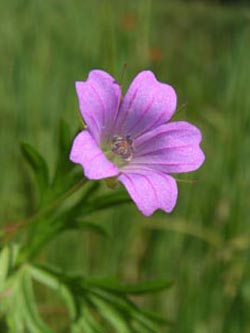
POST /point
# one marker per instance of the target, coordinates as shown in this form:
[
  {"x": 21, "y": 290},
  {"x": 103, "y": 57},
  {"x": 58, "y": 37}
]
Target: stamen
[{"x": 123, "y": 147}]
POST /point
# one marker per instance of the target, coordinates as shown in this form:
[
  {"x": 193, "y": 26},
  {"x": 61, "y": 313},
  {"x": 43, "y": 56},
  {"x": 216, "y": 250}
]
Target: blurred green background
[{"x": 203, "y": 50}]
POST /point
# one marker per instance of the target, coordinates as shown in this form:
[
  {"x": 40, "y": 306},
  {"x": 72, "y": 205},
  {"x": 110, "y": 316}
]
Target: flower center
[{"x": 122, "y": 147}]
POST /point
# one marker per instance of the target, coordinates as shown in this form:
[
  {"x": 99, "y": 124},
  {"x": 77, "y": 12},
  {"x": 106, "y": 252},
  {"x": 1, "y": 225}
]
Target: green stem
[{"x": 45, "y": 210}]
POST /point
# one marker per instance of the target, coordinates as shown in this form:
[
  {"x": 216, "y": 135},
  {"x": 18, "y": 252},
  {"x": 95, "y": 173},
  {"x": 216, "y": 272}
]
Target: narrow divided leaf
[
  {"x": 81, "y": 224},
  {"x": 83, "y": 326},
  {"x": 50, "y": 280},
  {"x": 130, "y": 311},
  {"x": 38, "y": 165},
  {"x": 4, "y": 266},
  {"x": 63, "y": 165},
  {"x": 45, "y": 277},
  {"x": 32, "y": 317},
  {"x": 64, "y": 136},
  {"x": 110, "y": 314},
  {"x": 147, "y": 287},
  {"x": 91, "y": 319},
  {"x": 132, "y": 289},
  {"x": 156, "y": 317}
]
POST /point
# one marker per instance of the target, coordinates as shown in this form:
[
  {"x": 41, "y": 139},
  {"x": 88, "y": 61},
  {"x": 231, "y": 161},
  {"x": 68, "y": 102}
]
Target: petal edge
[
  {"x": 99, "y": 98},
  {"x": 148, "y": 103},
  {"x": 170, "y": 148},
  {"x": 150, "y": 190}
]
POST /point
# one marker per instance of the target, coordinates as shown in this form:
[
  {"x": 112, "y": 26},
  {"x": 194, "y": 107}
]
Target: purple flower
[{"x": 131, "y": 138}]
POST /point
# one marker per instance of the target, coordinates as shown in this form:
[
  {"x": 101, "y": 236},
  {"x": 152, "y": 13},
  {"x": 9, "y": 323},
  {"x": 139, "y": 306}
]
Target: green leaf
[
  {"x": 81, "y": 224},
  {"x": 156, "y": 317},
  {"x": 4, "y": 266},
  {"x": 122, "y": 304},
  {"x": 32, "y": 317},
  {"x": 14, "y": 253},
  {"x": 52, "y": 281},
  {"x": 63, "y": 165},
  {"x": 129, "y": 310},
  {"x": 11, "y": 304},
  {"x": 65, "y": 139},
  {"x": 146, "y": 323},
  {"x": 83, "y": 324},
  {"x": 139, "y": 327},
  {"x": 105, "y": 201},
  {"x": 111, "y": 200},
  {"x": 86, "y": 321},
  {"x": 111, "y": 314},
  {"x": 147, "y": 287},
  {"x": 45, "y": 276},
  {"x": 91, "y": 319},
  {"x": 132, "y": 289},
  {"x": 92, "y": 188},
  {"x": 38, "y": 165},
  {"x": 109, "y": 299},
  {"x": 66, "y": 173},
  {"x": 8, "y": 258},
  {"x": 14, "y": 319}
]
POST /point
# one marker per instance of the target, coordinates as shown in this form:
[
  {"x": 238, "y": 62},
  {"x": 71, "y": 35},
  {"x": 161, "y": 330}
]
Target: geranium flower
[{"x": 130, "y": 138}]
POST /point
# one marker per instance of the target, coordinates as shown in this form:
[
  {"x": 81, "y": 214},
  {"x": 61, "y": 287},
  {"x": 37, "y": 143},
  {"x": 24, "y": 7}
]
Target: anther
[{"x": 123, "y": 147}]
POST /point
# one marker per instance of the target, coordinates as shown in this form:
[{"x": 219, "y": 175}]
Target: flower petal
[
  {"x": 149, "y": 189},
  {"x": 85, "y": 151},
  {"x": 99, "y": 99},
  {"x": 147, "y": 104},
  {"x": 170, "y": 148}
]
